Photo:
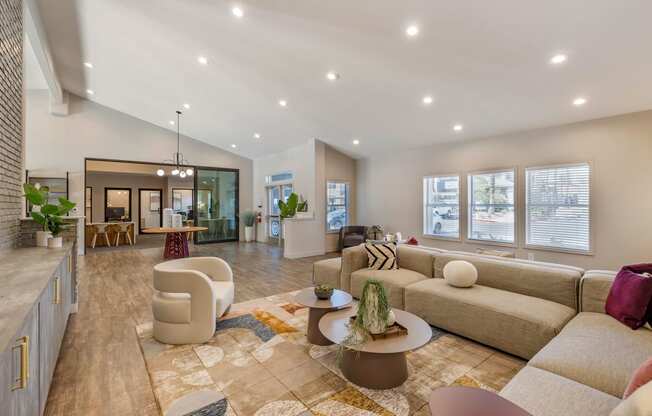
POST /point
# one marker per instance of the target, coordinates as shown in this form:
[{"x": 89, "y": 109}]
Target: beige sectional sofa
[{"x": 580, "y": 358}]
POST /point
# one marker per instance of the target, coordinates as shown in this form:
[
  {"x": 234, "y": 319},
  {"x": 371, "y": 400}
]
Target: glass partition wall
[{"x": 216, "y": 205}]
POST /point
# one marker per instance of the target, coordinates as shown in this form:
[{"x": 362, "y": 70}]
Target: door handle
[
  {"x": 57, "y": 290},
  {"x": 23, "y": 346}
]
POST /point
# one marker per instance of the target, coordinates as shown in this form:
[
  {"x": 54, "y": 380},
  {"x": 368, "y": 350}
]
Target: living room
[{"x": 343, "y": 208}]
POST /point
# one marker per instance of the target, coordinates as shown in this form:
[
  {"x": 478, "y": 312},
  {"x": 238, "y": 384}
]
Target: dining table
[{"x": 176, "y": 239}]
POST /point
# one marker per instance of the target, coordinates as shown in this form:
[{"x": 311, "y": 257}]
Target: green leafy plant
[
  {"x": 50, "y": 215},
  {"x": 302, "y": 206},
  {"x": 373, "y": 311},
  {"x": 288, "y": 209},
  {"x": 249, "y": 218}
]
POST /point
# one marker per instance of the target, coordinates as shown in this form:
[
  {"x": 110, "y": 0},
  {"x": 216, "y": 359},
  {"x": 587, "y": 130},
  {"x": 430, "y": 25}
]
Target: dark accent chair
[{"x": 352, "y": 235}]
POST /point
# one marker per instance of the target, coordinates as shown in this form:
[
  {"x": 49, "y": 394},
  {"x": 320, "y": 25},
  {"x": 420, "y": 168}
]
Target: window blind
[
  {"x": 441, "y": 205},
  {"x": 558, "y": 207},
  {"x": 491, "y": 206}
]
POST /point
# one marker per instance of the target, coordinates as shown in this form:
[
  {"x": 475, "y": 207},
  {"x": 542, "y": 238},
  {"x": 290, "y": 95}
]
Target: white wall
[
  {"x": 340, "y": 167},
  {"x": 60, "y": 144},
  {"x": 619, "y": 148}
]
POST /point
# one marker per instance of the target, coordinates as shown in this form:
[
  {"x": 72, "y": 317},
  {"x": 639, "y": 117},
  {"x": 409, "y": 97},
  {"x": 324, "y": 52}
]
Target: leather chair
[
  {"x": 190, "y": 294},
  {"x": 352, "y": 235}
]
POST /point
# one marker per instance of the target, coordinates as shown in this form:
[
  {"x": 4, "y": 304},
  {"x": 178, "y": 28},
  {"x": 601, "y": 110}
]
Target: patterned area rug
[{"x": 261, "y": 362}]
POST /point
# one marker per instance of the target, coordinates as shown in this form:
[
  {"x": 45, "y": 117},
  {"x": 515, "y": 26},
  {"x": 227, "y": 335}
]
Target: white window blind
[
  {"x": 491, "y": 206},
  {"x": 441, "y": 206},
  {"x": 558, "y": 207}
]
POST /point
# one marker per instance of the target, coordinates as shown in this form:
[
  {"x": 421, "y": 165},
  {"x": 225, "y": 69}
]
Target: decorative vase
[
  {"x": 323, "y": 292},
  {"x": 42, "y": 238},
  {"x": 391, "y": 318},
  {"x": 249, "y": 233},
  {"x": 55, "y": 242}
]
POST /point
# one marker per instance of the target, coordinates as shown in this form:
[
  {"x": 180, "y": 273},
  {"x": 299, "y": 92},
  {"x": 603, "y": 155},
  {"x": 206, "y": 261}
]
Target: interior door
[
  {"x": 274, "y": 194},
  {"x": 216, "y": 205}
]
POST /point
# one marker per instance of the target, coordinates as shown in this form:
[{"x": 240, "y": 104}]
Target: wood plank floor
[{"x": 100, "y": 369}]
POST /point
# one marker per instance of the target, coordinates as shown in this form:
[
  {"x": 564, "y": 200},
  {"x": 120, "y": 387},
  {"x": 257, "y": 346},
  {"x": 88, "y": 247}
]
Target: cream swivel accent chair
[{"x": 190, "y": 294}]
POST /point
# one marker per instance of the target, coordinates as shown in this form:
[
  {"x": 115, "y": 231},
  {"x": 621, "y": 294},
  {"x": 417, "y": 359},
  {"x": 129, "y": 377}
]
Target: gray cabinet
[{"x": 27, "y": 365}]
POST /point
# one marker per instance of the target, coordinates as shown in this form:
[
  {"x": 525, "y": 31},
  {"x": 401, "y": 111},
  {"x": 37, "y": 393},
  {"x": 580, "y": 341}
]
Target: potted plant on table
[
  {"x": 374, "y": 314},
  {"x": 48, "y": 215},
  {"x": 249, "y": 218}
]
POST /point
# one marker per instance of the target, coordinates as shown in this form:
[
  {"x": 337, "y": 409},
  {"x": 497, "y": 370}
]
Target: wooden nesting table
[
  {"x": 176, "y": 240},
  {"x": 381, "y": 363}
]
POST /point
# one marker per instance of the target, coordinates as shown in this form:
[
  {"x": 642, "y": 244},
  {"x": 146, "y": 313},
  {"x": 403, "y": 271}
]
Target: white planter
[
  {"x": 42, "y": 238},
  {"x": 249, "y": 234},
  {"x": 55, "y": 242}
]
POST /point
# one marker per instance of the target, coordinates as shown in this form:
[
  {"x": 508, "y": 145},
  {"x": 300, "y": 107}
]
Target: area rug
[{"x": 259, "y": 363}]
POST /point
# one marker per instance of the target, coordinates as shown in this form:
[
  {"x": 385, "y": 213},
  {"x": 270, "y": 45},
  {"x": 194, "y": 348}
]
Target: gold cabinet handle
[
  {"x": 57, "y": 290},
  {"x": 23, "y": 345},
  {"x": 69, "y": 264}
]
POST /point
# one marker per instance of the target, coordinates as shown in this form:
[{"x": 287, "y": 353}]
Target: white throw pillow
[
  {"x": 460, "y": 273},
  {"x": 638, "y": 404}
]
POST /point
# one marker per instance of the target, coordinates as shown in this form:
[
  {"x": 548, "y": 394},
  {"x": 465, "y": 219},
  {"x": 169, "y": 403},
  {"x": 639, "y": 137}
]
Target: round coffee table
[
  {"x": 468, "y": 401},
  {"x": 376, "y": 364},
  {"x": 318, "y": 308}
]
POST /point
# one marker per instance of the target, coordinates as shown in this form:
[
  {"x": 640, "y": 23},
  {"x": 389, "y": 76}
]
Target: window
[
  {"x": 557, "y": 207},
  {"x": 337, "y": 205},
  {"x": 491, "y": 206},
  {"x": 441, "y": 206}
]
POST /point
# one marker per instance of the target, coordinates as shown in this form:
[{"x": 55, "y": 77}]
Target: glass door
[
  {"x": 274, "y": 194},
  {"x": 150, "y": 213},
  {"x": 216, "y": 205}
]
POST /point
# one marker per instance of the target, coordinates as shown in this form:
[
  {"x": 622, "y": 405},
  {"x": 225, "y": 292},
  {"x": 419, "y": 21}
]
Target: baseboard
[{"x": 301, "y": 254}]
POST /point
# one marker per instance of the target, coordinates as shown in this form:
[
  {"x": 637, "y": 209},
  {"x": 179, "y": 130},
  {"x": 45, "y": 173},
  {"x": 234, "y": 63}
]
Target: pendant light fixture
[{"x": 181, "y": 167}]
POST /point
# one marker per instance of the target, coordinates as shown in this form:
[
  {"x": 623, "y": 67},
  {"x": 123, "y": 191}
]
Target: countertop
[{"x": 24, "y": 275}]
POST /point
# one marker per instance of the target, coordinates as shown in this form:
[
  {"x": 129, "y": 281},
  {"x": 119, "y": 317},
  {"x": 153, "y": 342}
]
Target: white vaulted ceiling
[{"x": 484, "y": 63}]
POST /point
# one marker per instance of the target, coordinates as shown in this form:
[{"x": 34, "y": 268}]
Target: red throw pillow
[
  {"x": 641, "y": 376},
  {"x": 630, "y": 297}
]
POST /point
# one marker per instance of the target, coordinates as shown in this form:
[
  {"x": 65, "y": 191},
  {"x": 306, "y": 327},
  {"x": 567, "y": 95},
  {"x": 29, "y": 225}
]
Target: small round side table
[
  {"x": 469, "y": 401},
  {"x": 318, "y": 308}
]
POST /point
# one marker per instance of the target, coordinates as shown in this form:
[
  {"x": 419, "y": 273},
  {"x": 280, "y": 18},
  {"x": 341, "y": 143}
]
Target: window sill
[
  {"x": 559, "y": 250},
  {"x": 441, "y": 238},
  {"x": 491, "y": 243}
]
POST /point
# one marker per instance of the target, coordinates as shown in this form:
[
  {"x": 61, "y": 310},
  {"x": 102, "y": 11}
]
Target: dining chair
[{"x": 100, "y": 229}]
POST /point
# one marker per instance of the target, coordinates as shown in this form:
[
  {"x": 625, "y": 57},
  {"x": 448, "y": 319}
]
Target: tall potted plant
[
  {"x": 249, "y": 218},
  {"x": 49, "y": 215},
  {"x": 374, "y": 314}
]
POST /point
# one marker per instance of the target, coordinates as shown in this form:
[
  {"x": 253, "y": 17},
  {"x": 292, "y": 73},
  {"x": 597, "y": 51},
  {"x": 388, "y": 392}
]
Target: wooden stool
[
  {"x": 123, "y": 229},
  {"x": 100, "y": 229},
  {"x": 468, "y": 401}
]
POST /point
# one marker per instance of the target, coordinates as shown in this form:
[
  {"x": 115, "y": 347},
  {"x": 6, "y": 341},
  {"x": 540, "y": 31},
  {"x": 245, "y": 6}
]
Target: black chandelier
[{"x": 181, "y": 167}]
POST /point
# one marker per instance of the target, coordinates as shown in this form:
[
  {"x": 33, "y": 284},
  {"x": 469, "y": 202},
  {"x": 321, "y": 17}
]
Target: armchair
[
  {"x": 352, "y": 235},
  {"x": 190, "y": 294}
]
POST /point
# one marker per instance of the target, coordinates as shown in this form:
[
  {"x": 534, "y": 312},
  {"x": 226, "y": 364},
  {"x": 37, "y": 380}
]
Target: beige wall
[
  {"x": 59, "y": 144},
  {"x": 619, "y": 149},
  {"x": 340, "y": 167}
]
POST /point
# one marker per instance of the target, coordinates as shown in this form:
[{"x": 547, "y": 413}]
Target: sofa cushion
[
  {"x": 381, "y": 256},
  {"x": 542, "y": 393},
  {"x": 556, "y": 283},
  {"x": 327, "y": 272},
  {"x": 596, "y": 350},
  {"x": 416, "y": 259},
  {"x": 394, "y": 282},
  {"x": 594, "y": 289},
  {"x": 512, "y": 322}
]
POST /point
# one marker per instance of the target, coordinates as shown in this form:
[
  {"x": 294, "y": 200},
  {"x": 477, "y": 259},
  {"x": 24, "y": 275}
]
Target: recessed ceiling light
[
  {"x": 202, "y": 60},
  {"x": 458, "y": 127},
  {"x": 90, "y": 92},
  {"x": 356, "y": 142},
  {"x": 579, "y": 101},
  {"x": 88, "y": 64},
  {"x": 237, "y": 12},
  {"x": 234, "y": 146},
  {"x": 558, "y": 59},
  {"x": 427, "y": 100},
  {"x": 283, "y": 103},
  {"x": 171, "y": 122},
  {"x": 256, "y": 136},
  {"x": 186, "y": 106},
  {"x": 412, "y": 30},
  {"x": 332, "y": 76}
]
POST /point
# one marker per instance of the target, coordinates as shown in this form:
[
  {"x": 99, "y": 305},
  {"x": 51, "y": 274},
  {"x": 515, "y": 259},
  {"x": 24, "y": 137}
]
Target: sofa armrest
[
  {"x": 594, "y": 289},
  {"x": 353, "y": 258}
]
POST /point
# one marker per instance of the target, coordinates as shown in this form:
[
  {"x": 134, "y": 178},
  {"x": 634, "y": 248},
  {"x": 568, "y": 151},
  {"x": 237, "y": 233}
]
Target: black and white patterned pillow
[{"x": 382, "y": 256}]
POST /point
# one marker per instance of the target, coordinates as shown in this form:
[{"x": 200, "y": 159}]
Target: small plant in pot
[
  {"x": 323, "y": 292},
  {"x": 49, "y": 215},
  {"x": 249, "y": 218}
]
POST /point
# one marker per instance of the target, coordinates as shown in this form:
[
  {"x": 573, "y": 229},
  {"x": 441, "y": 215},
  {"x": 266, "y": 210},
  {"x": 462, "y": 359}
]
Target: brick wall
[{"x": 11, "y": 120}]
